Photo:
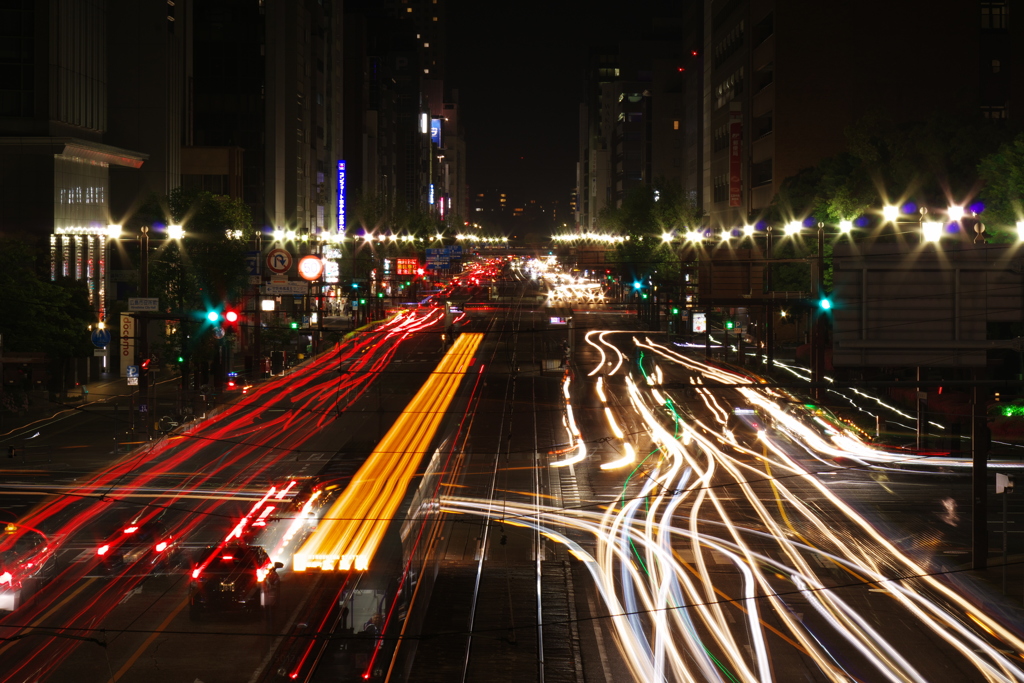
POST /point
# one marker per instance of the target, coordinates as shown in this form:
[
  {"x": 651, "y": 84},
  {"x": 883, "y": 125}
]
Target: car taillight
[
  {"x": 131, "y": 530},
  {"x": 261, "y": 574},
  {"x": 102, "y": 550},
  {"x": 195, "y": 573},
  {"x": 161, "y": 546},
  {"x": 6, "y": 578}
]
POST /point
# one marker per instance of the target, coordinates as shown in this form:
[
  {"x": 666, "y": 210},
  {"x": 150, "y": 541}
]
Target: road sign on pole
[
  {"x": 279, "y": 261},
  {"x": 100, "y": 338}
]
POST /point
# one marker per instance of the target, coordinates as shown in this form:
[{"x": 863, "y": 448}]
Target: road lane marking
[
  {"x": 48, "y": 613},
  {"x": 149, "y": 641}
]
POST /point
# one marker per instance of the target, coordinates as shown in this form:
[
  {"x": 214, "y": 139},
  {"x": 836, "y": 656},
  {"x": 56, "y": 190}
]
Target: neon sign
[{"x": 341, "y": 196}]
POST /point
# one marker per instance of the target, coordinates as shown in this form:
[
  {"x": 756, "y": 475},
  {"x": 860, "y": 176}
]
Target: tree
[
  {"x": 203, "y": 271},
  {"x": 37, "y": 315},
  {"x": 1002, "y": 173},
  {"x": 646, "y": 213}
]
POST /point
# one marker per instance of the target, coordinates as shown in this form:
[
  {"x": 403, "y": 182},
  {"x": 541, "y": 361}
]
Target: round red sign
[{"x": 310, "y": 267}]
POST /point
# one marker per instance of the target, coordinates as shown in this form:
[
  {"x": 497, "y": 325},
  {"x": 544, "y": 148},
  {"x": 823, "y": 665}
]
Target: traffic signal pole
[{"x": 142, "y": 350}]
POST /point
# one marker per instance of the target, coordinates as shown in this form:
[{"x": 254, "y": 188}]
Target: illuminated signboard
[
  {"x": 430, "y": 195},
  {"x": 406, "y": 266},
  {"x": 558, "y": 321},
  {"x": 435, "y": 131},
  {"x": 700, "y": 322},
  {"x": 440, "y": 205},
  {"x": 341, "y": 196}
]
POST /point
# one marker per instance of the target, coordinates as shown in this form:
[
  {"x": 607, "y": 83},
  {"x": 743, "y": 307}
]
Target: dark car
[
  {"x": 233, "y": 578},
  {"x": 147, "y": 547},
  {"x": 27, "y": 560}
]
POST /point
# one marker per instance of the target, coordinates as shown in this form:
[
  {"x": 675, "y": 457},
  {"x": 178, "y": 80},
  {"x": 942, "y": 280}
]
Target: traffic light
[
  {"x": 675, "y": 310},
  {"x": 294, "y": 325},
  {"x": 213, "y": 316},
  {"x": 825, "y": 303},
  {"x": 729, "y": 324},
  {"x": 231, "y": 318}
]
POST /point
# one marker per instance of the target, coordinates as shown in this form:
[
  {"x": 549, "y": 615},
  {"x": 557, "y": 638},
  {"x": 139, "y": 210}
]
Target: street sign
[
  {"x": 279, "y": 261},
  {"x": 100, "y": 338},
  {"x": 133, "y": 381},
  {"x": 132, "y": 371},
  {"x": 143, "y": 304},
  {"x": 252, "y": 263},
  {"x": 310, "y": 267},
  {"x": 700, "y": 322},
  {"x": 286, "y": 288}
]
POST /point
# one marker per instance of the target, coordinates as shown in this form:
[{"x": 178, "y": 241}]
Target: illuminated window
[
  {"x": 675, "y": 124},
  {"x": 995, "y": 66},
  {"x": 408, "y": 9},
  {"x": 994, "y": 14},
  {"x": 435, "y": 19}
]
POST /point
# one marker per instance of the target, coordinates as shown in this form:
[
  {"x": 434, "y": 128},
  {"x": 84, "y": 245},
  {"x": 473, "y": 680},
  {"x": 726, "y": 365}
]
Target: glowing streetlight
[
  {"x": 955, "y": 213},
  {"x": 793, "y": 228},
  {"x": 845, "y": 227},
  {"x": 1020, "y": 230},
  {"x": 694, "y": 236},
  {"x": 278, "y": 234},
  {"x": 890, "y": 213},
  {"x": 666, "y": 237},
  {"x": 113, "y": 231},
  {"x": 748, "y": 230},
  {"x": 175, "y": 232},
  {"x": 931, "y": 231}
]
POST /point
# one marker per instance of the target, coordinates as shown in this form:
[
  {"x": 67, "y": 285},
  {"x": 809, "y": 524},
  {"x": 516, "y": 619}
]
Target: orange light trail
[{"x": 354, "y": 526}]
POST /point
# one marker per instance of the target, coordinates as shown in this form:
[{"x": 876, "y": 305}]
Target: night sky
[{"x": 520, "y": 81}]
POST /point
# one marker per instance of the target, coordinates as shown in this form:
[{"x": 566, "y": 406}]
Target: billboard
[
  {"x": 406, "y": 266},
  {"x": 341, "y": 196},
  {"x": 435, "y": 131},
  {"x": 126, "y": 345}
]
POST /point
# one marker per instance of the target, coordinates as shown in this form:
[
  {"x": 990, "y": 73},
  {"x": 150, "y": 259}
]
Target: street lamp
[
  {"x": 175, "y": 232},
  {"x": 845, "y": 226},
  {"x": 931, "y": 231},
  {"x": 793, "y": 228},
  {"x": 890, "y": 213}
]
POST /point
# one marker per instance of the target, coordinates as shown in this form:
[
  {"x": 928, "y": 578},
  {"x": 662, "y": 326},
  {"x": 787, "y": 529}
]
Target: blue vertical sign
[
  {"x": 435, "y": 131},
  {"x": 341, "y": 196}
]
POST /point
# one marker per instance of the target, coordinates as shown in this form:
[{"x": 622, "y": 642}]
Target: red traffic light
[{"x": 231, "y": 316}]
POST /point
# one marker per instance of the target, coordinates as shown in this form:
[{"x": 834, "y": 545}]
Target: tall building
[
  {"x": 412, "y": 154},
  {"x": 631, "y": 130},
  {"x": 149, "y": 74},
  {"x": 783, "y": 81},
  {"x": 55, "y": 161},
  {"x": 268, "y": 82}
]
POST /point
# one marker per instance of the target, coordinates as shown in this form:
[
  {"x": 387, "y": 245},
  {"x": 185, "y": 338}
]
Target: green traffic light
[
  {"x": 729, "y": 324},
  {"x": 675, "y": 310},
  {"x": 825, "y": 304},
  {"x": 213, "y": 316},
  {"x": 180, "y": 359},
  {"x": 295, "y": 325}
]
